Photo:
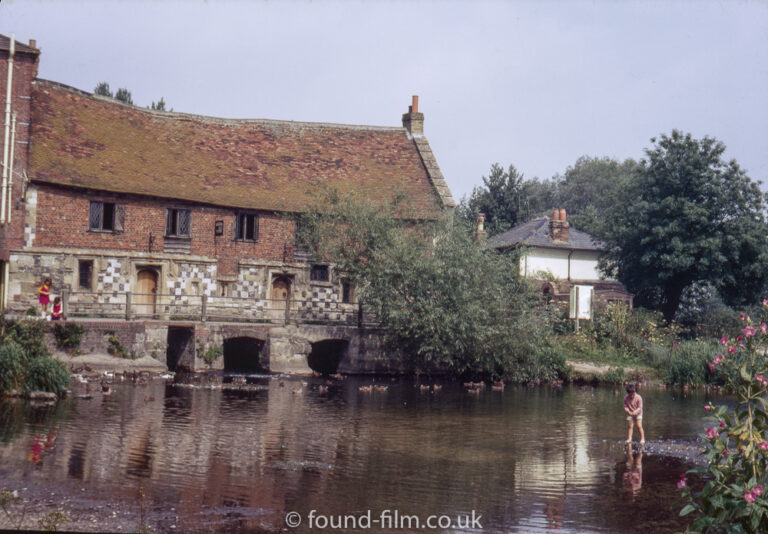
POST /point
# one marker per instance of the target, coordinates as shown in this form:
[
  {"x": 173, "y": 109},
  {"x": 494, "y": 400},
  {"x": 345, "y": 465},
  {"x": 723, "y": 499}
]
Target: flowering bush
[{"x": 736, "y": 448}]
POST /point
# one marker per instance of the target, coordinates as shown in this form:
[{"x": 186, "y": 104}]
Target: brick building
[{"x": 122, "y": 205}]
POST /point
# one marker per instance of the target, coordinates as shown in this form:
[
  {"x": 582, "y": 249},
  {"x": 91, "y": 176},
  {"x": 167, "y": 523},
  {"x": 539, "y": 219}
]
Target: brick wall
[
  {"x": 62, "y": 222},
  {"x": 24, "y": 72}
]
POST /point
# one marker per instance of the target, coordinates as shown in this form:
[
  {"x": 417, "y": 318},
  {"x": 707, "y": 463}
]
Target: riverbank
[{"x": 100, "y": 363}]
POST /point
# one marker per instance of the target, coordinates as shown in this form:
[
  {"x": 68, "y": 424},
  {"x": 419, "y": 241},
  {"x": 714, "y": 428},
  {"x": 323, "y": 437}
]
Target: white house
[{"x": 565, "y": 260}]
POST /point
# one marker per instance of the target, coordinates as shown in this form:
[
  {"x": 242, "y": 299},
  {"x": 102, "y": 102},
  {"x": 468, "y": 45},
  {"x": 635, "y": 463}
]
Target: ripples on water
[{"x": 211, "y": 459}]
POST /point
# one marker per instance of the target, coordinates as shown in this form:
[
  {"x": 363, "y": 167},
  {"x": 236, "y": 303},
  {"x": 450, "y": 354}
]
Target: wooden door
[
  {"x": 146, "y": 292},
  {"x": 281, "y": 289}
]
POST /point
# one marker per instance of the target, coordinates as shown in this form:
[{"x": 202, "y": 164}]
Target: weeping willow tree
[{"x": 445, "y": 302}]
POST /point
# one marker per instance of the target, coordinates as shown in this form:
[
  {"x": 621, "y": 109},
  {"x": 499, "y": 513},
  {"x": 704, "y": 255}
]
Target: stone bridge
[{"x": 248, "y": 347}]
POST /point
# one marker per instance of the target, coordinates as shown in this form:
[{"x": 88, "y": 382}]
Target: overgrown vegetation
[
  {"x": 68, "y": 335},
  {"x": 25, "y": 362},
  {"x": 212, "y": 354},
  {"x": 115, "y": 348},
  {"x": 733, "y": 497},
  {"x": 447, "y": 304}
]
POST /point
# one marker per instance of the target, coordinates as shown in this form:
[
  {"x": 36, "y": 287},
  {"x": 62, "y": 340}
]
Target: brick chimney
[
  {"x": 559, "y": 227},
  {"x": 480, "y": 233},
  {"x": 413, "y": 121}
]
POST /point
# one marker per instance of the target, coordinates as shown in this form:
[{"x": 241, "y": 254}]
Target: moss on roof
[{"x": 86, "y": 141}]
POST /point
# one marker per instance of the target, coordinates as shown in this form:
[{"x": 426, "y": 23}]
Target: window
[
  {"x": 247, "y": 227},
  {"x": 106, "y": 217},
  {"x": 319, "y": 273},
  {"x": 177, "y": 222},
  {"x": 85, "y": 274},
  {"x": 347, "y": 292}
]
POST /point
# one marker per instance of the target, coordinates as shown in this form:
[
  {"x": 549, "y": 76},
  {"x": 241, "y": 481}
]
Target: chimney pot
[
  {"x": 414, "y": 104},
  {"x": 563, "y": 215},
  {"x": 33, "y": 43},
  {"x": 555, "y": 215}
]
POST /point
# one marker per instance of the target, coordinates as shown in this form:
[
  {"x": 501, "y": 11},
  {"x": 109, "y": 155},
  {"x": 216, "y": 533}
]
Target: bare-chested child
[{"x": 633, "y": 406}]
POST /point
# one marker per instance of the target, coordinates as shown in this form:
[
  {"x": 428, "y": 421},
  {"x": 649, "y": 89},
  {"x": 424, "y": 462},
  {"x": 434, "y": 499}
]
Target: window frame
[
  {"x": 97, "y": 216},
  {"x": 317, "y": 267},
  {"x": 173, "y": 222},
  {"x": 241, "y": 230}
]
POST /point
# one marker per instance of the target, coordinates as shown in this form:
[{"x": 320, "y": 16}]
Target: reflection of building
[
  {"x": 565, "y": 260},
  {"x": 112, "y": 200}
]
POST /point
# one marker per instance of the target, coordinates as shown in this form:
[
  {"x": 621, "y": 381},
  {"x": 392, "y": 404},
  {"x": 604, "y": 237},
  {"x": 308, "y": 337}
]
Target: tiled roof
[
  {"x": 537, "y": 233},
  {"x": 5, "y": 44},
  {"x": 82, "y": 140}
]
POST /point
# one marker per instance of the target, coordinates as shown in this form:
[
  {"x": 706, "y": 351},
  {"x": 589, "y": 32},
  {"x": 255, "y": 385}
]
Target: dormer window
[{"x": 247, "y": 227}]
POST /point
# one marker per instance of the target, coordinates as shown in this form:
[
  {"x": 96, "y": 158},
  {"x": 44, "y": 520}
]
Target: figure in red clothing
[{"x": 44, "y": 292}]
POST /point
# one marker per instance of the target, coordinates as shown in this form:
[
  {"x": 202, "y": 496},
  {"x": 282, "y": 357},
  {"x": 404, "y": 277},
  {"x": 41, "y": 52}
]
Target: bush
[
  {"x": 688, "y": 363},
  {"x": 28, "y": 333},
  {"x": 13, "y": 363},
  {"x": 735, "y": 494},
  {"x": 46, "y": 374},
  {"x": 68, "y": 335}
]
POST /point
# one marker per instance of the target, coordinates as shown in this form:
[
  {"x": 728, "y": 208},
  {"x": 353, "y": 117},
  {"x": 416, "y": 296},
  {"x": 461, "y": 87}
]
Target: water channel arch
[
  {"x": 244, "y": 354},
  {"x": 326, "y": 355}
]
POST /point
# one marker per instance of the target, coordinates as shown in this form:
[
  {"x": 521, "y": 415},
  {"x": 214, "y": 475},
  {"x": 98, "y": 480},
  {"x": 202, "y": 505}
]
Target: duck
[
  {"x": 498, "y": 386},
  {"x": 423, "y": 387},
  {"x": 322, "y": 389},
  {"x": 298, "y": 391},
  {"x": 381, "y": 389},
  {"x": 366, "y": 389},
  {"x": 435, "y": 387}
]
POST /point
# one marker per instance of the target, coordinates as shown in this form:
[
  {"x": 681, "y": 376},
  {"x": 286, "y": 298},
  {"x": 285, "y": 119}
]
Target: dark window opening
[
  {"x": 247, "y": 228},
  {"x": 85, "y": 278},
  {"x": 319, "y": 273},
  {"x": 177, "y": 222},
  {"x": 106, "y": 217},
  {"x": 181, "y": 347},
  {"x": 347, "y": 292}
]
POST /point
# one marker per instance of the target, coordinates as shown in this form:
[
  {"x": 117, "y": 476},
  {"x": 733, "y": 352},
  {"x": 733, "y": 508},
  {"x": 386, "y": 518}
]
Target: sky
[{"x": 532, "y": 84}]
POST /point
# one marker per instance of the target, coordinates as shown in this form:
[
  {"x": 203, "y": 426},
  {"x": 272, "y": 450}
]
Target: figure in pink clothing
[{"x": 633, "y": 406}]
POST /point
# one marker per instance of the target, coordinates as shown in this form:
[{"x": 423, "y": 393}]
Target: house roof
[
  {"x": 536, "y": 233},
  {"x": 87, "y": 141},
  {"x": 5, "y": 44}
]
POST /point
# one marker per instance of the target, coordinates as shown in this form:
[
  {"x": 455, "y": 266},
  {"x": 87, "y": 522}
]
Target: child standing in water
[
  {"x": 44, "y": 292},
  {"x": 633, "y": 406}
]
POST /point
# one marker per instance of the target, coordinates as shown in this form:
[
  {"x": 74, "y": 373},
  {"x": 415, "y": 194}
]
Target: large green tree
[
  {"x": 445, "y": 301},
  {"x": 590, "y": 188},
  {"x": 688, "y": 216},
  {"x": 501, "y": 198}
]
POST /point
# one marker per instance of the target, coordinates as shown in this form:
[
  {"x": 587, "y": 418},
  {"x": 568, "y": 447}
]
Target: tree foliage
[
  {"x": 102, "y": 88},
  {"x": 687, "y": 217},
  {"x": 160, "y": 106},
  {"x": 502, "y": 199},
  {"x": 445, "y": 302},
  {"x": 123, "y": 95}
]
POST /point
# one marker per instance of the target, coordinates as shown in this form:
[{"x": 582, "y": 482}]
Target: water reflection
[{"x": 238, "y": 459}]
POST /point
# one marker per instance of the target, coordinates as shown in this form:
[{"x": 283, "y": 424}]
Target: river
[{"x": 204, "y": 458}]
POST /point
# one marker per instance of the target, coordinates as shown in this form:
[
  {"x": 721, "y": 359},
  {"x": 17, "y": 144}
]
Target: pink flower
[
  {"x": 757, "y": 490},
  {"x": 719, "y": 358},
  {"x": 765, "y": 302},
  {"x": 738, "y": 338},
  {"x": 731, "y": 350},
  {"x": 725, "y": 452},
  {"x": 711, "y": 433},
  {"x": 764, "y": 445},
  {"x": 681, "y": 484},
  {"x": 707, "y": 408},
  {"x": 722, "y": 425},
  {"x": 749, "y": 331},
  {"x": 761, "y": 380},
  {"x": 764, "y": 328},
  {"x": 749, "y": 496},
  {"x": 741, "y": 316},
  {"x": 711, "y": 368},
  {"x": 723, "y": 340}
]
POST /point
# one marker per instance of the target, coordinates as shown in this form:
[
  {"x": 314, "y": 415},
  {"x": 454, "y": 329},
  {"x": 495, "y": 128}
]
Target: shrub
[
  {"x": 46, "y": 374},
  {"x": 736, "y": 451},
  {"x": 212, "y": 354},
  {"x": 13, "y": 364},
  {"x": 68, "y": 335},
  {"x": 615, "y": 375},
  {"x": 28, "y": 333},
  {"x": 688, "y": 363}
]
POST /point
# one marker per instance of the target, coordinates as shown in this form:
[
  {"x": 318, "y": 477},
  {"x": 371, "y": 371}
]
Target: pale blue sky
[{"x": 535, "y": 84}]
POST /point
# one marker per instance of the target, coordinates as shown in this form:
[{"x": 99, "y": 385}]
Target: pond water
[{"x": 200, "y": 459}]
